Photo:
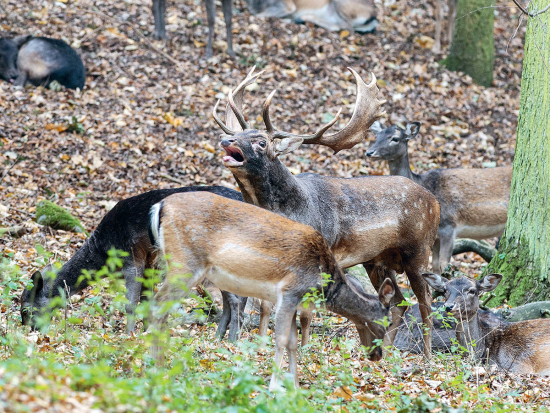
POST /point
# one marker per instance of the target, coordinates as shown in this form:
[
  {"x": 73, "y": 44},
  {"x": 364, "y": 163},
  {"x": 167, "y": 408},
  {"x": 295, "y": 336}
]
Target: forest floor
[{"x": 143, "y": 121}]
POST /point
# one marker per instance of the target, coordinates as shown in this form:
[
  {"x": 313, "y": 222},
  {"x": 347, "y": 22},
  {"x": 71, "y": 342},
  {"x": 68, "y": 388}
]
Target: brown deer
[
  {"x": 474, "y": 202},
  {"x": 125, "y": 229},
  {"x": 332, "y": 15},
  {"x": 439, "y": 20},
  {"x": 388, "y": 224},
  {"x": 159, "y": 11},
  {"x": 520, "y": 347},
  {"x": 253, "y": 252}
]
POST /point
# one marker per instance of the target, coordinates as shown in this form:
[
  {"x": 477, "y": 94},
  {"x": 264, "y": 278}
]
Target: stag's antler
[
  {"x": 234, "y": 118},
  {"x": 367, "y": 110}
]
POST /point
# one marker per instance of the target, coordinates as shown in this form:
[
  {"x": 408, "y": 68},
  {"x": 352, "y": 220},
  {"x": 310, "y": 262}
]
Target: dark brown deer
[
  {"x": 474, "y": 202},
  {"x": 253, "y": 252},
  {"x": 159, "y": 11},
  {"x": 520, "y": 347},
  {"x": 123, "y": 228},
  {"x": 387, "y": 223}
]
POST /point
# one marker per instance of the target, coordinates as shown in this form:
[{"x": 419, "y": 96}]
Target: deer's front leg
[
  {"x": 305, "y": 322},
  {"x": 226, "y": 316},
  {"x": 237, "y": 305}
]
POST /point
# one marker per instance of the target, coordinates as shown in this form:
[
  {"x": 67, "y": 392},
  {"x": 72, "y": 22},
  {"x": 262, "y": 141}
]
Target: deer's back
[
  {"x": 521, "y": 347},
  {"x": 471, "y": 197},
  {"x": 240, "y": 241},
  {"x": 364, "y": 217}
]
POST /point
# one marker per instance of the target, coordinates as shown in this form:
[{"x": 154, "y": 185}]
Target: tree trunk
[
  {"x": 473, "y": 46},
  {"x": 524, "y": 250}
]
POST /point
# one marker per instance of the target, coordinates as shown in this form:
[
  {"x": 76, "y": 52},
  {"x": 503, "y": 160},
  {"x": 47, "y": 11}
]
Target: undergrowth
[{"x": 82, "y": 356}]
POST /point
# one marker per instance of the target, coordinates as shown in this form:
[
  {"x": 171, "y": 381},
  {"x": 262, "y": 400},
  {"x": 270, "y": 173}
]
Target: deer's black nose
[
  {"x": 449, "y": 306},
  {"x": 370, "y": 152},
  {"x": 226, "y": 142}
]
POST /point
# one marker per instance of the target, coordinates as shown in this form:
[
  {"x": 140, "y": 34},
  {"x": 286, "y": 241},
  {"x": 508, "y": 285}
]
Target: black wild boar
[{"x": 40, "y": 61}]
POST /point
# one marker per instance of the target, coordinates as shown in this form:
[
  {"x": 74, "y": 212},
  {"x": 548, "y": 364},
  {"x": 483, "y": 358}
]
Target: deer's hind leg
[{"x": 176, "y": 287}]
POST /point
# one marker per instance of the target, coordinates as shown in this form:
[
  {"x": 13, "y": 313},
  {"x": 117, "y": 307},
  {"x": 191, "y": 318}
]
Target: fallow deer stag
[
  {"x": 520, "y": 347},
  {"x": 332, "y": 15},
  {"x": 388, "y": 223},
  {"x": 474, "y": 202},
  {"x": 253, "y": 252}
]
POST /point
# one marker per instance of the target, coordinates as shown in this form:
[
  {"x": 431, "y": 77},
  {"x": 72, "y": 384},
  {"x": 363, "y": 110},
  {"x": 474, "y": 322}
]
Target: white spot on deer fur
[
  {"x": 369, "y": 226},
  {"x": 406, "y": 211}
]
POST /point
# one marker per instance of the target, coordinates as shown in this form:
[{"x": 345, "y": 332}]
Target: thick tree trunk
[
  {"x": 473, "y": 47},
  {"x": 524, "y": 250}
]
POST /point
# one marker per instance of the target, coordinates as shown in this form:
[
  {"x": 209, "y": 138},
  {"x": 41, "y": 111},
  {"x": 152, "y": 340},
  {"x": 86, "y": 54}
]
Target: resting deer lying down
[
  {"x": 388, "y": 223},
  {"x": 123, "y": 228},
  {"x": 253, "y": 252},
  {"x": 520, "y": 347},
  {"x": 474, "y": 202},
  {"x": 332, "y": 15}
]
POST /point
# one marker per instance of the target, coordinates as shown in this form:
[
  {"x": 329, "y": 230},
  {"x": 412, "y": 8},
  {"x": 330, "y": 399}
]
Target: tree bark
[
  {"x": 473, "y": 46},
  {"x": 524, "y": 250}
]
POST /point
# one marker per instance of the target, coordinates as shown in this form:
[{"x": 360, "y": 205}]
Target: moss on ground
[{"x": 56, "y": 217}]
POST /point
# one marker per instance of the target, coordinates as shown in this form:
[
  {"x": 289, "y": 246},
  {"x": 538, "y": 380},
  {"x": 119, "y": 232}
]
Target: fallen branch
[
  {"x": 16, "y": 231},
  {"x": 482, "y": 248},
  {"x": 531, "y": 311},
  {"x": 171, "y": 178}
]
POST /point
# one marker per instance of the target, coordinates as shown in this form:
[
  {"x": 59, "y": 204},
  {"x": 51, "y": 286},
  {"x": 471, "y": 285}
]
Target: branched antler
[
  {"x": 367, "y": 111},
  {"x": 234, "y": 118}
]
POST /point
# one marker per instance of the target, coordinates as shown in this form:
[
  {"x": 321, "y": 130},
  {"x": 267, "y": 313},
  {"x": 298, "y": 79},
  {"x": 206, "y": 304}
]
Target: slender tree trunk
[
  {"x": 524, "y": 250},
  {"x": 473, "y": 47}
]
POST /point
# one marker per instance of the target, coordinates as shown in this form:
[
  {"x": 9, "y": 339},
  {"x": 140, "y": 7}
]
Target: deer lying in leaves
[
  {"x": 253, "y": 252},
  {"x": 332, "y": 15},
  {"x": 520, "y": 347},
  {"x": 387, "y": 223},
  {"x": 474, "y": 202}
]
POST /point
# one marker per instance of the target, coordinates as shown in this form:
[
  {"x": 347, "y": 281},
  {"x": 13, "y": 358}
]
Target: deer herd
[{"x": 275, "y": 238}]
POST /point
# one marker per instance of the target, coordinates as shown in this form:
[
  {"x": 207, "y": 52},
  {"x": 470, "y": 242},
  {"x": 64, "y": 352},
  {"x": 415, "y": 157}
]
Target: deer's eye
[
  {"x": 472, "y": 291},
  {"x": 262, "y": 144},
  {"x": 395, "y": 139}
]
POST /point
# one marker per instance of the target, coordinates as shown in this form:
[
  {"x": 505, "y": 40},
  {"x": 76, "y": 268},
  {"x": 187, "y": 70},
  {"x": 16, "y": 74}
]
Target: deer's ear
[
  {"x": 435, "y": 281},
  {"x": 412, "y": 129},
  {"x": 490, "y": 282},
  {"x": 286, "y": 145},
  {"x": 376, "y": 127},
  {"x": 386, "y": 292}
]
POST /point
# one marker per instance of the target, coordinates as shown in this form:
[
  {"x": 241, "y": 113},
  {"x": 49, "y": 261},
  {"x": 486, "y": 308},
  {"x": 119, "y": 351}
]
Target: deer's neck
[
  {"x": 401, "y": 167},
  {"x": 275, "y": 189},
  {"x": 470, "y": 335}
]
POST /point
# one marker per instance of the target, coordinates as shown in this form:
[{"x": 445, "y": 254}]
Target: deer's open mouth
[{"x": 234, "y": 156}]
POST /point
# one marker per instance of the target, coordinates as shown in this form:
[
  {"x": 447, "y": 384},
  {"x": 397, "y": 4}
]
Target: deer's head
[
  {"x": 391, "y": 143},
  {"x": 253, "y": 149},
  {"x": 462, "y": 294},
  {"x": 35, "y": 301}
]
